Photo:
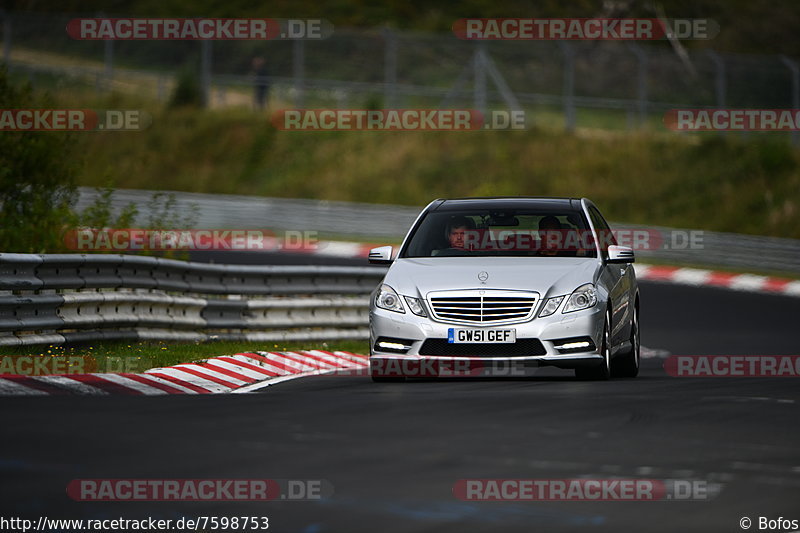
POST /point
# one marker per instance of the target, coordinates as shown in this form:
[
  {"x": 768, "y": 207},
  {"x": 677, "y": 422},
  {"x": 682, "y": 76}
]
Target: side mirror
[
  {"x": 381, "y": 256},
  {"x": 620, "y": 254}
]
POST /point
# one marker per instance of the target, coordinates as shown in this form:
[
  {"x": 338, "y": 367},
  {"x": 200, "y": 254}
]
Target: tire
[
  {"x": 626, "y": 365},
  {"x": 603, "y": 371}
]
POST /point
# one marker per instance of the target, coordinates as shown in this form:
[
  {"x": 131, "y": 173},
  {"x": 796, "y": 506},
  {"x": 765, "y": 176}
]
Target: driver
[{"x": 457, "y": 229}]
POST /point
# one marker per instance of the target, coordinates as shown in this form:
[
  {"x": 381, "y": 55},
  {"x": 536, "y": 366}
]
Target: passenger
[{"x": 550, "y": 235}]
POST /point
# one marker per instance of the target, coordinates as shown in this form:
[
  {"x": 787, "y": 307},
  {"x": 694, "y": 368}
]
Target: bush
[
  {"x": 37, "y": 184},
  {"x": 99, "y": 215},
  {"x": 187, "y": 91}
]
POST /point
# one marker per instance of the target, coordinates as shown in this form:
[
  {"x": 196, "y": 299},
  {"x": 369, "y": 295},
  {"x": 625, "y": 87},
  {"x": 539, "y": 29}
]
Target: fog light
[
  {"x": 393, "y": 346},
  {"x": 389, "y": 344},
  {"x": 573, "y": 345}
]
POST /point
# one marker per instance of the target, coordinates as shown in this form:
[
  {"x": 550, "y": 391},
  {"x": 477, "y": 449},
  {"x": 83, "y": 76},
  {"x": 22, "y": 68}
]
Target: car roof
[{"x": 508, "y": 202}]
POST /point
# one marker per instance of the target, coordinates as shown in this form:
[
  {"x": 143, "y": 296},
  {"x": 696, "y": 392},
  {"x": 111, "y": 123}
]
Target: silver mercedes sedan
[{"x": 500, "y": 286}]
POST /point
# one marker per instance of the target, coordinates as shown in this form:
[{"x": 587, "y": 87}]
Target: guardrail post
[
  {"x": 795, "y": 70},
  {"x": 568, "y": 94}
]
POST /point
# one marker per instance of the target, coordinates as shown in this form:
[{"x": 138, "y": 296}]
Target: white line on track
[
  {"x": 10, "y": 388},
  {"x": 274, "y": 381},
  {"x": 71, "y": 385}
]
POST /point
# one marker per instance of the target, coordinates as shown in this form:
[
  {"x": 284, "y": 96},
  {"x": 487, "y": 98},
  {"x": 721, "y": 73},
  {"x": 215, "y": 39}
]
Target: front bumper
[{"x": 549, "y": 331}]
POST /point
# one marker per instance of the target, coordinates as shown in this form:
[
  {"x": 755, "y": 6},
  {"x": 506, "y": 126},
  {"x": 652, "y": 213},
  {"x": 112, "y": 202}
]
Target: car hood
[{"x": 549, "y": 276}]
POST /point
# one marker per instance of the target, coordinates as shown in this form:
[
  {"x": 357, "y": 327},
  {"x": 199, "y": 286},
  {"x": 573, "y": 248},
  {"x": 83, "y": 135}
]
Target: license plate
[{"x": 474, "y": 336}]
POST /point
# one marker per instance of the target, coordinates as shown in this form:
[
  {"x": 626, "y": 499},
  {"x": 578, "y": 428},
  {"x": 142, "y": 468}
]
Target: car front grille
[
  {"x": 521, "y": 348},
  {"x": 491, "y": 307}
]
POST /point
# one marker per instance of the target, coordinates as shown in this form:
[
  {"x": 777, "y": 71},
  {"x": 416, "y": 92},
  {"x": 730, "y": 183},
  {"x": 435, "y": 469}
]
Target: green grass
[
  {"x": 648, "y": 176},
  {"x": 138, "y": 357}
]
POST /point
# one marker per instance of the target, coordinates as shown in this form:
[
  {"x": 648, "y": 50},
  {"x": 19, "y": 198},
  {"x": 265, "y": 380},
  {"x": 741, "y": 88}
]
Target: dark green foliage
[{"x": 37, "y": 180}]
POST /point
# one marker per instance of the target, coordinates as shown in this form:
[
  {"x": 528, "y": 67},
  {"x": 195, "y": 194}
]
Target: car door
[{"x": 616, "y": 277}]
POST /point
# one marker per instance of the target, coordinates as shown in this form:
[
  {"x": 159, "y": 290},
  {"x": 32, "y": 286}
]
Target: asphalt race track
[{"x": 394, "y": 451}]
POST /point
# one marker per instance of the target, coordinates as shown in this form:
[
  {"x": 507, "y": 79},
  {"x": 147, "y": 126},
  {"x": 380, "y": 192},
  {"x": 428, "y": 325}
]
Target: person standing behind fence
[{"x": 260, "y": 82}]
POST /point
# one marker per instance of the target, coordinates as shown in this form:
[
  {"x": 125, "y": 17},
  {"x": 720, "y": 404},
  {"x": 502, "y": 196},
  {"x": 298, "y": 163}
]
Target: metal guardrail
[
  {"x": 375, "y": 221},
  {"x": 727, "y": 250},
  {"x": 66, "y": 298},
  {"x": 222, "y": 211}
]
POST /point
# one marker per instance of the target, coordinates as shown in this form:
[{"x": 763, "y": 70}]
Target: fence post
[
  {"x": 719, "y": 80},
  {"x": 641, "y": 81},
  {"x": 6, "y": 36},
  {"x": 479, "y": 88},
  {"x": 390, "y": 69},
  {"x": 108, "y": 61},
  {"x": 205, "y": 71},
  {"x": 221, "y": 97},
  {"x": 499, "y": 82},
  {"x": 795, "y": 70},
  {"x": 161, "y": 88},
  {"x": 568, "y": 94},
  {"x": 298, "y": 72}
]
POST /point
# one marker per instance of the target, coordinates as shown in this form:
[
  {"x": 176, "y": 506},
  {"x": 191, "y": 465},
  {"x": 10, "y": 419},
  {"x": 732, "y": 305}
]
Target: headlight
[
  {"x": 415, "y": 304},
  {"x": 551, "y": 306},
  {"x": 583, "y": 297},
  {"x": 388, "y": 299}
]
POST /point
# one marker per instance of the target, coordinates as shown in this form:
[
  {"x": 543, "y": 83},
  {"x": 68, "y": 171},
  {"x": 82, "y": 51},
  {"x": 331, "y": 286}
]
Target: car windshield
[{"x": 507, "y": 232}]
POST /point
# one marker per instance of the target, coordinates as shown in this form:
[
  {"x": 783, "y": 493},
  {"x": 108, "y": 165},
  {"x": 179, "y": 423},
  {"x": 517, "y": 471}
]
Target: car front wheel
[
  {"x": 626, "y": 365},
  {"x": 603, "y": 370}
]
